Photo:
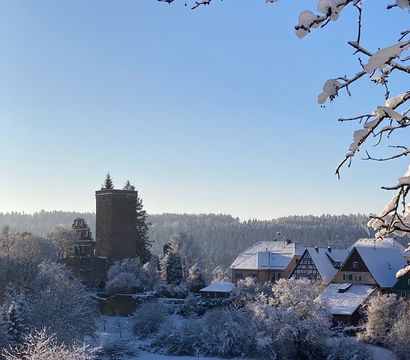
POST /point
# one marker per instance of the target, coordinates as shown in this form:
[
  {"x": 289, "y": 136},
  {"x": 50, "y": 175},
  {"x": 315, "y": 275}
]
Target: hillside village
[{"x": 168, "y": 305}]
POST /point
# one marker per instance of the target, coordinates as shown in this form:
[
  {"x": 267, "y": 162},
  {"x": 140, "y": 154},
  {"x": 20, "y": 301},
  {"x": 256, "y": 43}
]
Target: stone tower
[{"x": 116, "y": 231}]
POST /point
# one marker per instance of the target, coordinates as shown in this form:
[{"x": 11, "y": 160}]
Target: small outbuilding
[
  {"x": 344, "y": 301},
  {"x": 218, "y": 289}
]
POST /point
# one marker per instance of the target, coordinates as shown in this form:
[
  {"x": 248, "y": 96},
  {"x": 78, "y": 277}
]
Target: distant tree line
[{"x": 219, "y": 237}]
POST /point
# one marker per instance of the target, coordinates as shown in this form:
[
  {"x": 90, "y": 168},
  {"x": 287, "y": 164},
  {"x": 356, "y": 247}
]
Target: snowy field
[{"x": 115, "y": 328}]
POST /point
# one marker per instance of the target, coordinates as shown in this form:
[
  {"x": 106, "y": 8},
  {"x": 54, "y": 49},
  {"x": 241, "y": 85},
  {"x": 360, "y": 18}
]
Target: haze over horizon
[{"x": 232, "y": 128}]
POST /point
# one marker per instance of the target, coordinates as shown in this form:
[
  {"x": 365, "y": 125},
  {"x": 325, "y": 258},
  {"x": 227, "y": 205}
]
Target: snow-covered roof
[
  {"x": 344, "y": 299},
  {"x": 219, "y": 286},
  {"x": 267, "y": 255},
  {"x": 323, "y": 258},
  {"x": 379, "y": 243},
  {"x": 383, "y": 263},
  {"x": 403, "y": 272}
]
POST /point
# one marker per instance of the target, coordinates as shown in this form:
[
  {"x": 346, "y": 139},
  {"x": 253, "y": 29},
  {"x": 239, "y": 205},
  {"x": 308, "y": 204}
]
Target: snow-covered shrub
[
  {"x": 345, "y": 348},
  {"x": 124, "y": 276},
  {"x": 221, "y": 274},
  {"x": 290, "y": 335},
  {"x": 149, "y": 318},
  {"x": 182, "y": 339},
  {"x": 55, "y": 300},
  {"x": 119, "y": 349},
  {"x": 172, "y": 291},
  {"x": 41, "y": 346},
  {"x": 400, "y": 332},
  {"x": 227, "y": 333},
  {"x": 221, "y": 332},
  {"x": 381, "y": 314},
  {"x": 150, "y": 274},
  {"x": 193, "y": 305}
]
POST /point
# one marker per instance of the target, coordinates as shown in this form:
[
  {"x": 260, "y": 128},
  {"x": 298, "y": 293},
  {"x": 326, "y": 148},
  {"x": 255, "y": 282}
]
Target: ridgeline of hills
[{"x": 219, "y": 237}]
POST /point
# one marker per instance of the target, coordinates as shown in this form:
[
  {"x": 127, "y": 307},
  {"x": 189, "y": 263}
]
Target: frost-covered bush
[
  {"x": 344, "y": 348},
  {"x": 290, "y": 335},
  {"x": 182, "y": 339},
  {"x": 381, "y": 313},
  {"x": 172, "y": 291},
  {"x": 41, "y": 346},
  {"x": 149, "y": 318},
  {"x": 55, "y": 300},
  {"x": 221, "y": 332},
  {"x": 227, "y": 333},
  {"x": 119, "y": 349},
  {"x": 400, "y": 332},
  {"x": 193, "y": 305},
  {"x": 124, "y": 276}
]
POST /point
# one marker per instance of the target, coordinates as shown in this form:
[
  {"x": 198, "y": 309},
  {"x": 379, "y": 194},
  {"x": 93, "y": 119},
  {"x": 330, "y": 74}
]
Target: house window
[
  {"x": 408, "y": 282},
  {"x": 278, "y": 276},
  {"x": 355, "y": 264},
  {"x": 239, "y": 276},
  {"x": 347, "y": 277},
  {"x": 358, "y": 278}
]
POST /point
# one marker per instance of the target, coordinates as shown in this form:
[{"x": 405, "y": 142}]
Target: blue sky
[{"x": 212, "y": 110}]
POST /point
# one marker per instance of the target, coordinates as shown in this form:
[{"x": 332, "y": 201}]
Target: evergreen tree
[
  {"x": 171, "y": 268},
  {"x": 14, "y": 318},
  {"x": 143, "y": 225},
  {"x": 108, "y": 184},
  {"x": 128, "y": 186}
]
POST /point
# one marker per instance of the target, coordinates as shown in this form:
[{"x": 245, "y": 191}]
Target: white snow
[
  {"x": 381, "y": 57},
  {"x": 112, "y": 328},
  {"x": 403, "y": 272},
  {"x": 342, "y": 301},
  {"x": 383, "y": 258},
  {"x": 219, "y": 286},
  {"x": 330, "y": 89},
  {"x": 267, "y": 255},
  {"x": 322, "y": 259}
]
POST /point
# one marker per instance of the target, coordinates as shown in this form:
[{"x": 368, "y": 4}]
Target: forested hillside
[{"x": 220, "y": 237}]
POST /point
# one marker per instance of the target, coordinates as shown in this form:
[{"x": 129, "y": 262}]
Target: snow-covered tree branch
[{"x": 389, "y": 117}]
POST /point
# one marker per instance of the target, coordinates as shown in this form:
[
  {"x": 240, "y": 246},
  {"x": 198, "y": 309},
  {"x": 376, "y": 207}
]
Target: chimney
[
  {"x": 329, "y": 249},
  {"x": 316, "y": 249}
]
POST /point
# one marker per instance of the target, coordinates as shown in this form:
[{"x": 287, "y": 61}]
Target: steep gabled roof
[
  {"x": 384, "y": 258},
  {"x": 325, "y": 260},
  {"x": 267, "y": 255}
]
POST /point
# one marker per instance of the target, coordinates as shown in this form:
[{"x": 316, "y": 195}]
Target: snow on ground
[
  {"x": 381, "y": 353},
  {"x": 111, "y": 328}
]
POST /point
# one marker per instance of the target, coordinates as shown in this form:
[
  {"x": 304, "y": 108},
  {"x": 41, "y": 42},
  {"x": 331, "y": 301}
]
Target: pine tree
[
  {"x": 171, "y": 268},
  {"x": 143, "y": 225},
  {"x": 14, "y": 317},
  {"x": 108, "y": 184},
  {"x": 128, "y": 186}
]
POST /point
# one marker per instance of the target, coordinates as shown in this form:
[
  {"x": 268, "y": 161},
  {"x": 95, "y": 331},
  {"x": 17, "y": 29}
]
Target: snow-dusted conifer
[{"x": 171, "y": 268}]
